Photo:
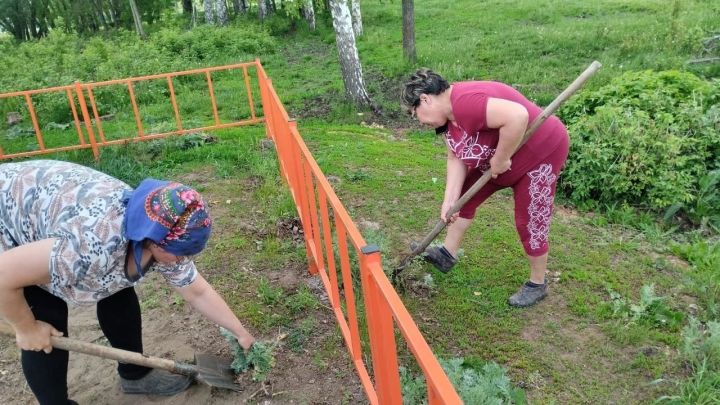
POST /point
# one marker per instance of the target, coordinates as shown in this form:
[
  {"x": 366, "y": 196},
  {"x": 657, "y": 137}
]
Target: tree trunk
[
  {"x": 236, "y": 7},
  {"x": 209, "y": 11},
  {"x": 357, "y": 18},
  {"x": 347, "y": 50},
  {"x": 187, "y": 6},
  {"x": 136, "y": 18},
  {"x": 408, "y": 13},
  {"x": 221, "y": 9},
  {"x": 262, "y": 9},
  {"x": 308, "y": 11}
]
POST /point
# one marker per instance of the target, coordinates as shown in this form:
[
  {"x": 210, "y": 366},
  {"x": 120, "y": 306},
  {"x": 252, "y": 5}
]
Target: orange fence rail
[
  {"x": 82, "y": 102},
  {"x": 327, "y": 228}
]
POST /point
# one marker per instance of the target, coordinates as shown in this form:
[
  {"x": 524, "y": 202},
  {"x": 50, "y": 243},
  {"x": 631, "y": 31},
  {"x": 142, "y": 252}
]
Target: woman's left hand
[{"x": 499, "y": 166}]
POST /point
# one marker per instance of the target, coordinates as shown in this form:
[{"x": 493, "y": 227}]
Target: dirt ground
[{"x": 177, "y": 333}]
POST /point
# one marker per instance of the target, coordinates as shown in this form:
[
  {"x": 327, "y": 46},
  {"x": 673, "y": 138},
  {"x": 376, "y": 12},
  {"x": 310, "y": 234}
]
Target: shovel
[
  {"x": 207, "y": 369},
  {"x": 548, "y": 111}
]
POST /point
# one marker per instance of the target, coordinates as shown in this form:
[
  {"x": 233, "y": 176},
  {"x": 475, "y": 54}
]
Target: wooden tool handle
[{"x": 111, "y": 353}]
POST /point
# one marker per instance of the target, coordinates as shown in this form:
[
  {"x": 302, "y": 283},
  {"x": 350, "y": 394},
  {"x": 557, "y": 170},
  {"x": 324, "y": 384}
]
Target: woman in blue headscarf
[{"x": 70, "y": 234}]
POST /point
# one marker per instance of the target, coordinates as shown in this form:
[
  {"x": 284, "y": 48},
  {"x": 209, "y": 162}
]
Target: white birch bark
[
  {"x": 262, "y": 9},
  {"x": 209, "y": 11},
  {"x": 347, "y": 50},
  {"x": 356, "y": 18},
  {"x": 221, "y": 10},
  {"x": 309, "y": 13}
]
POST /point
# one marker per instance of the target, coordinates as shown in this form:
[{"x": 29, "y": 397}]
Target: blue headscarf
[{"x": 170, "y": 214}]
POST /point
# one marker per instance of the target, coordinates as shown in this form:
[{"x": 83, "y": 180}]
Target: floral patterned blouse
[{"x": 83, "y": 210}]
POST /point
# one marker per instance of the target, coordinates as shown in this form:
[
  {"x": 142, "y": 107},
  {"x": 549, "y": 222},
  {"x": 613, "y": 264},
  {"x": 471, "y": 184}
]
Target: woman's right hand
[
  {"x": 36, "y": 337},
  {"x": 446, "y": 206}
]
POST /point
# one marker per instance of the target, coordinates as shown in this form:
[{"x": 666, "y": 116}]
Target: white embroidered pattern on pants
[{"x": 541, "y": 202}]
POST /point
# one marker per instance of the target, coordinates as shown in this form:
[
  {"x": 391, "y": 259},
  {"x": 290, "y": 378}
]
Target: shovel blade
[{"x": 216, "y": 372}]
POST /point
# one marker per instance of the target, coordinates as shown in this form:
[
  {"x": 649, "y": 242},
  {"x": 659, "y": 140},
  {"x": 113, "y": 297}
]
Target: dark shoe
[
  {"x": 439, "y": 257},
  {"x": 527, "y": 295},
  {"x": 156, "y": 382}
]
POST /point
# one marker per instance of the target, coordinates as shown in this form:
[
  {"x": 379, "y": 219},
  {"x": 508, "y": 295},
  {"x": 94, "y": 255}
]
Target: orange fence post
[
  {"x": 212, "y": 97},
  {"x": 88, "y": 122},
  {"x": 174, "y": 103},
  {"x": 136, "y": 111},
  {"x": 98, "y": 124},
  {"x": 348, "y": 289},
  {"x": 249, "y": 93},
  {"x": 329, "y": 251},
  {"x": 33, "y": 117},
  {"x": 381, "y": 331},
  {"x": 81, "y": 138}
]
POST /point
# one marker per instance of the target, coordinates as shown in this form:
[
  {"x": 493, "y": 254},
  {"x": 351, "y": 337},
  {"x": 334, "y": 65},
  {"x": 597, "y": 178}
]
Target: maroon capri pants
[{"x": 533, "y": 187}]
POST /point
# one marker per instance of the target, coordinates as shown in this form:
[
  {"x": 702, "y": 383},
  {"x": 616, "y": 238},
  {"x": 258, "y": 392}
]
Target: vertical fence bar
[
  {"x": 249, "y": 93},
  {"x": 95, "y": 113},
  {"x": 381, "y": 331},
  {"x": 33, "y": 117},
  {"x": 313, "y": 212},
  {"x": 136, "y": 111},
  {"x": 212, "y": 97},
  {"x": 178, "y": 121},
  {"x": 88, "y": 122},
  {"x": 265, "y": 84},
  {"x": 76, "y": 120},
  {"x": 329, "y": 251},
  {"x": 355, "y": 351},
  {"x": 297, "y": 175}
]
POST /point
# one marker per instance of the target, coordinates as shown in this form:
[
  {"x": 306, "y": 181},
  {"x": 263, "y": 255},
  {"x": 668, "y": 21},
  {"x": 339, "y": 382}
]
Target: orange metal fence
[
  {"x": 82, "y": 102},
  {"x": 328, "y": 228}
]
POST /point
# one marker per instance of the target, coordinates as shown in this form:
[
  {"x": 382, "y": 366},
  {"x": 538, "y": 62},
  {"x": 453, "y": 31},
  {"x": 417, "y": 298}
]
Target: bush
[{"x": 644, "y": 140}]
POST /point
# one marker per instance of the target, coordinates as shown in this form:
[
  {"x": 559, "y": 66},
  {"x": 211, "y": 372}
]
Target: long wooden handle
[
  {"x": 547, "y": 112},
  {"x": 111, "y": 353}
]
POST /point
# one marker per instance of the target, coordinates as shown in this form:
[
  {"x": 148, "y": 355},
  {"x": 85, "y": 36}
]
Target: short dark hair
[{"x": 423, "y": 81}]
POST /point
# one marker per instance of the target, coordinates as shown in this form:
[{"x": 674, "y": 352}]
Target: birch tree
[
  {"x": 408, "y": 13},
  {"x": 221, "y": 11},
  {"x": 209, "y": 6},
  {"x": 262, "y": 9},
  {"x": 308, "y": 11},
  {"x": 136, "y": 17},
  {"x": 356, "y": 18},
  {"x": 347, "y": 51}
]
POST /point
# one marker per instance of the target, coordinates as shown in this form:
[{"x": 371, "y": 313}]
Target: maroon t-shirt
[{"x": 474, "y": 143}]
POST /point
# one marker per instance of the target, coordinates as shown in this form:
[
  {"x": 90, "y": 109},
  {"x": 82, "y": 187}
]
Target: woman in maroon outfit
[{"x": 483, "y": 123}]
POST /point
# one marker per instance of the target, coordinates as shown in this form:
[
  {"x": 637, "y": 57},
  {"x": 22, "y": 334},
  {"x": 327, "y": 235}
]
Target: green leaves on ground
[
  {"x": 260, "y": 357},
  {"x": 489, "y": 385}
]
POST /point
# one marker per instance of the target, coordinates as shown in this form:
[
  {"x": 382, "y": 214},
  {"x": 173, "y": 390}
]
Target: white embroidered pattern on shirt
[
  {"x": 541, "y": 202},
  {"x": 470, "y": 150}
]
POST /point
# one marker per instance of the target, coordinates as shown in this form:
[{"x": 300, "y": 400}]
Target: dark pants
[{"x": 119, "y": 318}]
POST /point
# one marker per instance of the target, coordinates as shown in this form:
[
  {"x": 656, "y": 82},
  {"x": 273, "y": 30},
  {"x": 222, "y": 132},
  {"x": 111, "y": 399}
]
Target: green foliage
[
  {"x": 269, "y": 294},
  {"x": 302, "y": 301},
  {"x": 704, "y": 209},
  {"x": 647, "y": 139},
  {"x": 650, "y": 309},
  {"x": 701, "y": 350},
  {"x": 260, "y": 357},
  {"x": 489, "y": 385}
]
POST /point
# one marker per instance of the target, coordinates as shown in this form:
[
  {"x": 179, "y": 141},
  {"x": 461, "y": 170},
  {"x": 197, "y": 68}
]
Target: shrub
[{"x": 645, "y": 140}]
